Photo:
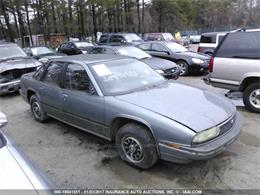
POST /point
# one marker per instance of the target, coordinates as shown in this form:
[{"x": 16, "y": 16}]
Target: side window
[
  {"x": 53, "y": 74},
  {"x": 145, "y": 47},
  {"x": 158, "y": 48},
  {"x": 208, "y": 38},
  {"x": 108, "y": 51},
  {"x": 240, "y": 45},
  {"x": 39, "y": 73},
  {"x": 116, "y": 39},
  {"x": 77, "y": 79},
  {"x": 98, "y": 50},
  {"x": 103, "y": 39}
]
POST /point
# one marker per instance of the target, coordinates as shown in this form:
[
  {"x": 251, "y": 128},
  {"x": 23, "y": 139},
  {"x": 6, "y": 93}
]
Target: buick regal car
[
  {"x": 16, "y": 171},
  {"x": 13, "y": 64},
  {"x": 122, "y": 99}
]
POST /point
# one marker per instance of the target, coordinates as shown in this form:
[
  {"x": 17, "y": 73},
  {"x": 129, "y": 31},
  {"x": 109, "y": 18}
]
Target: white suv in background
[
  {"x": 235, "y": 65},
  {"x": 209, "y": 42}
]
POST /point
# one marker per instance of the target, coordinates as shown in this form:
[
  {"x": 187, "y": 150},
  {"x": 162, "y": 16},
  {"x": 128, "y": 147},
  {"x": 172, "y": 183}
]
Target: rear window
[
  {"x": 208, "y": 39},
  {"x": 240, "y": 45}
]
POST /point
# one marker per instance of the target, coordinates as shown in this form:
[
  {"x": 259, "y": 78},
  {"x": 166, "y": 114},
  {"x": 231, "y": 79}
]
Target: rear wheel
[
  {"x": 37, "y": 110},
  {"x": 251, "y": 97},
  {"x": 184, "y": 68},
  {"x": 136, "y": 146}
]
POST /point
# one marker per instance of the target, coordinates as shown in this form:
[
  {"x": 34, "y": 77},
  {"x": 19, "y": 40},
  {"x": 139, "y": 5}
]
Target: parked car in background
[
  {"x": 187, "y": 61},
  {"x": 194, "y": 39},
  {"x": 166, "y": 68},
  {"x": 75, "y": 47},
  {"x": 119, "y": 39},
  {"x": 166, "y": 37},
  {"x": 17, "y": 173},
  {"x": 42, "y": 53},
  {"x": 13, "y": 64},
  {"x": 122, "y": 99},
  {"x": 235, "y": 66},
  {"x": 209, "y": 42}
]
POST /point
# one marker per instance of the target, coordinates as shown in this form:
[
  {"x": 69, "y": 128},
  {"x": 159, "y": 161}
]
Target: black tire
[
  {"x": 184, "y": 68},
  {"x": 249, "y": 94},
  {"x": 139, "y": 134},
  {"x": 37, "y": 110}
]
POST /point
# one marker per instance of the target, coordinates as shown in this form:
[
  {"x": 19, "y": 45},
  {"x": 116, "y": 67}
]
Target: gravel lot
[{"x": 75, "y": 159}]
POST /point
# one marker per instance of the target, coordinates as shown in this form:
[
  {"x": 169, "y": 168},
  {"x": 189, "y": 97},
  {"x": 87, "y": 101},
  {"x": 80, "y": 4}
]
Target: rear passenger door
[
  {"x": 50, "y": 90},
  {"x": 83, "y": 107}
]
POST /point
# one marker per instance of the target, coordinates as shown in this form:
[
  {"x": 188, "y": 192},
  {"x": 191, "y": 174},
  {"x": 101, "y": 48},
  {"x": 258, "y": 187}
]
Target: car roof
[
  {"x": 4, "y": 44},
  {"x": 213, "y": 33},
  {"x": 90, "y": 58},
  {"x": 162, "y": 42},
  {"x": 115, "y": 46}
]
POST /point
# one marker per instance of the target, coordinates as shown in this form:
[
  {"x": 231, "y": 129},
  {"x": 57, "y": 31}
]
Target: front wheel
[
  {"x": 184, "y": 68},
  {"x": 136, "y": 146},
  {"x": 251, "y": 97}
]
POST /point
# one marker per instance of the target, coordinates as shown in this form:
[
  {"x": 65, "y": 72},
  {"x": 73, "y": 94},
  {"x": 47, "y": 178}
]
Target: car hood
[
  {"x": 158, "y": 63},
  {"x": 195, "y": 108},
  {"x": 192, "y": 54},
  {"x": 19, "y": 64}
]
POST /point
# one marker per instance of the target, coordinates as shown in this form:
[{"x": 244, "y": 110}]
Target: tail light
[
  {"x": 199, "y": 49},
  {"x": 211, "y": 63}
]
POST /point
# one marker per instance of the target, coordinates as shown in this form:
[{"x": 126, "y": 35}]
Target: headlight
[
  {"x": 159, "y": 71},
  {"x": 206, "y": 135},
  {"x": 197, "y": 61},
  {"x": 84, "y": 52}
]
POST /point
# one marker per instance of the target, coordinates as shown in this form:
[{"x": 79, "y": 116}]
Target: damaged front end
[{"x": 10, "y": 79}]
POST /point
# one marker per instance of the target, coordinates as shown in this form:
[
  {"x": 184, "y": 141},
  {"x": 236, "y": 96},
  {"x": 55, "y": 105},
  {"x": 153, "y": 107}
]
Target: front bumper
[
  {"x": 199, "y": 67},
  {"x": 9, "y": 87},
  {"x": 186, "y": 154}
]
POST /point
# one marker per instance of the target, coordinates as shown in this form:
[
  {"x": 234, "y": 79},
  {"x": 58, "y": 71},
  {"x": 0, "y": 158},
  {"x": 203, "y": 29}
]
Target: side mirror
[
  {"x": 43, "y": 60},
  {"x": 3, "y": 120},
  {"x": 167, "y": 52},
  {"x": 29, "y": 54}
]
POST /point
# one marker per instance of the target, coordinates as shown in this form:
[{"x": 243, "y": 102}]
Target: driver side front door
[{"x": 83, "y": 107}]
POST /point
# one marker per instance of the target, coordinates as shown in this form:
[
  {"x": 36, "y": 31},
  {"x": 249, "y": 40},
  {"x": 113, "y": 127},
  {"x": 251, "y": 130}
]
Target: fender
[{"x": 137, "y": 119}]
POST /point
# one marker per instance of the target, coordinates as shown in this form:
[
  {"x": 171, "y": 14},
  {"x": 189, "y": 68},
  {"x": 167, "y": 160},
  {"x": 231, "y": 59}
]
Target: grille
[{"x": 226, "y": 126}]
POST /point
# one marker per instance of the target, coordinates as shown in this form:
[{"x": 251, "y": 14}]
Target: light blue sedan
[{"x": 122, "y": 99}]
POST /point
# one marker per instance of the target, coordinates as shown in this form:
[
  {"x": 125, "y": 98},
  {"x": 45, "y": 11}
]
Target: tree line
[{"x": 82, "y": 18}]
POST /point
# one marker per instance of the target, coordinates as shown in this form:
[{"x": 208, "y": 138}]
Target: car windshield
[
  {"x": 132, "y": 37},
  {"x": 11, "y": 52},
  {"x": 124, "y": 76},
  {"x": 83, "y": 44},
  {"x": 168, "y": 36},
  {"x": 41, "y": 50},
  {"x": 175, "y": 47},
  {"x": 133, "y": 52}
]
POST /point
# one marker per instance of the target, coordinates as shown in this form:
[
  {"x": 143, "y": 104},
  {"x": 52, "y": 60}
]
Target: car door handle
[{"x": 65, "y": 96}]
